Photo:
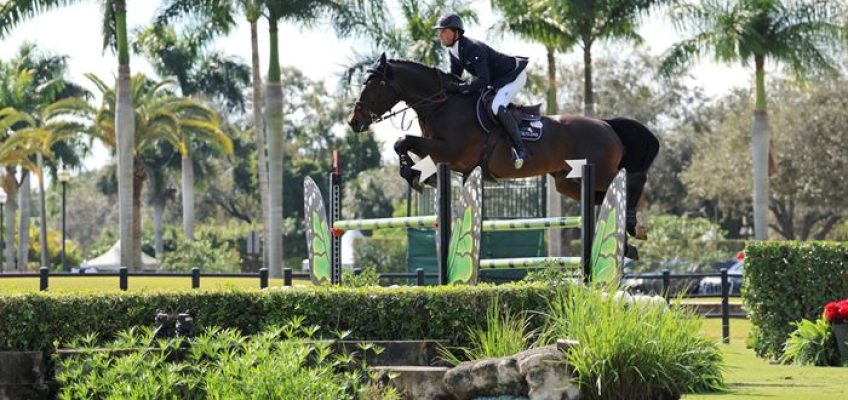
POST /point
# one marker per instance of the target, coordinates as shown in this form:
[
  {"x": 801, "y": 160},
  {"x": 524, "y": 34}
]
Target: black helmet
[{"x": 451, "y": 21}]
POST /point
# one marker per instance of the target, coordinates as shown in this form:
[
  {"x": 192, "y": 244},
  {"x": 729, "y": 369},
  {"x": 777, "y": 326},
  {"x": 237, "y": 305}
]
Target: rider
[{"x": 504, "y": 73}]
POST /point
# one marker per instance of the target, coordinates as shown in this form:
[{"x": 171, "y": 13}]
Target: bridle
[{"x": 424, "y": 101}]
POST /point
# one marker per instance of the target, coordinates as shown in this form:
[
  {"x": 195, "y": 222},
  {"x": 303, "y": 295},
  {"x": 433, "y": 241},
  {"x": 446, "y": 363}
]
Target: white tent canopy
[{"x": 111, "y": 260}]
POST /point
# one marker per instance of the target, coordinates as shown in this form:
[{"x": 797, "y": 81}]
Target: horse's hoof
[
  {"x": 416, "y": 185},
  {"x": 641, "y": 233},
  {"x": 631, "y": 252}
]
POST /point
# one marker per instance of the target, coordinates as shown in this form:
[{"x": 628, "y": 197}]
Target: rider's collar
[{"x": 455, "y": 48}]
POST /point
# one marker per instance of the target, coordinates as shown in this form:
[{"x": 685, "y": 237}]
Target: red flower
[
  {"x": 843, "y": 310},
  {"x": 832, "y": 312}
]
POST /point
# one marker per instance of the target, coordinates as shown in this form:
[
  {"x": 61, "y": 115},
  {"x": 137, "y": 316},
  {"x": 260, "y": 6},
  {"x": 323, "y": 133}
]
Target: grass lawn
[
  {"x": 136, "y": 283},
  {"x": 749, "y": 377}
]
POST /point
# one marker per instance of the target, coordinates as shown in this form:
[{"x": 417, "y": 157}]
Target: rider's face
[{"x": 447, "y": 36}]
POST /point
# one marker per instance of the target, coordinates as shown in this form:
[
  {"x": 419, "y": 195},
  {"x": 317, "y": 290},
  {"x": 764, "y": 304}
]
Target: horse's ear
[{"x": 382, "y": 60}]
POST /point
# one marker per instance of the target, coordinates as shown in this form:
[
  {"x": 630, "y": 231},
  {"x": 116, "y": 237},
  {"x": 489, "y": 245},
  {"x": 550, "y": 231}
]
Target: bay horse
[{"x": 452, "y": 134}]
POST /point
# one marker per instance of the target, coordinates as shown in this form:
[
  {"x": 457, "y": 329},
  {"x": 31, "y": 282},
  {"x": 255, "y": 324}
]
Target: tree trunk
[
  {"x": 139, "y": 176},
  {"x": 259, "y": 133},
  {"x": 10, "y": 186},
  {"x": 25, "y": 201},
  {"x": 188, "y": 197},
  {"x": 45, "y": 256},
  {"x": 274, "y": 126},
  {"x": 554, "y": 203},
  {"x": 759, "y": 154},
  {"x": 158, "y": 230},
  {"x": 588, "y": 90},
  {"x": 125, "y": 132}
]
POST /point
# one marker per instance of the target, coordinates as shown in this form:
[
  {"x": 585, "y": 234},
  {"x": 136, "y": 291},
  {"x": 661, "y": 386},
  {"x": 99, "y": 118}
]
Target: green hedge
[
  {"x": 35, "y": 321},
  {"x": 786, "y": 282}
]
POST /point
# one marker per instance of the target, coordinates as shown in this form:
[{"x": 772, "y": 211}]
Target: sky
[{"x": 318, "y": 52}]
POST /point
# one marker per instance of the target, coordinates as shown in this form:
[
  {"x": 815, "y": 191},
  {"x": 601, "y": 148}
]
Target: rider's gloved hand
[{"x": 452, "y": 87}]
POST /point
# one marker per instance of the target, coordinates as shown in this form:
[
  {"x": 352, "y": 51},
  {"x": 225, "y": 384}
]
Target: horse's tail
[{"x": 640, "y": 144}]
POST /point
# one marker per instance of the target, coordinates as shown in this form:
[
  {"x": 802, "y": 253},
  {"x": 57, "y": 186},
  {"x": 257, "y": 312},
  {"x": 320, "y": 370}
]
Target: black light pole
[
  {"x": 2, "y": 230},
  {"x": 64, "y": 177}
]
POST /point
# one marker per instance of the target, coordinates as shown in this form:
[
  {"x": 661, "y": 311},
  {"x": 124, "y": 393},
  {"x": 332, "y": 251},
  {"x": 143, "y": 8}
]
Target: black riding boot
[
  {"x": 635, "y": 184},
  {"x": 510, "y": 125}
]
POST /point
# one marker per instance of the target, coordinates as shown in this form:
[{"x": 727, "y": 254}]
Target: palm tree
[
  {"x": 115, "y": 37},
  {"x": 198, "y": 72},
  {"x": 38, "y": 138},
  {"x": 159, "y": 116},
  {"x": 414, "y": 40},
  {"x": 587, "y": 22},
  {"x": 28, "y": 83},
  {"x": 520, "y": 18},
  {"x": 799, "y": 34},
  {"x": 222, "y": 14}
]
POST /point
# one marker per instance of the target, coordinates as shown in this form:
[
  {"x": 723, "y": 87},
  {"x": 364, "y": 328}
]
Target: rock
[
  {"x": 416, "y": 382},
  {"x": 537, "y": 374}
]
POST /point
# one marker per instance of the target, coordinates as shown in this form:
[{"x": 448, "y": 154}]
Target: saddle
[{"x": 529, "y": 117}]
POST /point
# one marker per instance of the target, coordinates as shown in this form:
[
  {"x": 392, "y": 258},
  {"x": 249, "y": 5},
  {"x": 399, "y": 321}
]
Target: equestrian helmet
[{"x": 451, "y": 21}]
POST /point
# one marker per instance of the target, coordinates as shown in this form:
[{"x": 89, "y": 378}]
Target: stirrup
[{"x": 519, "y": 161}]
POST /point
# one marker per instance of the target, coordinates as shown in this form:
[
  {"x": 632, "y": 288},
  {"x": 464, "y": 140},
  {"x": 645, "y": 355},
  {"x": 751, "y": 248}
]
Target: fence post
[
  {"x": 195, "y": 278},
  {"x": 44, "y": 274},
  {"x": 287, "y": 277},
  {"x": 123, "y": 274},
  {"x": 587, "y": 214},
  {"x": 666, "y": 281},
  {"x": 263, "y": 278},
  {"x": 419, "y": 276},
  {"x": 444, "y": 188},
  {"x": 725, "y": 308}
]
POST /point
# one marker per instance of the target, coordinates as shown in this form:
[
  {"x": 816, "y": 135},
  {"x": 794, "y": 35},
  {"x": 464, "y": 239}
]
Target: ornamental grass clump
[
  {"x": 277, "y": 363},
  {"x": 506, "y": 333},
  {"x": 629, "y": 350}
]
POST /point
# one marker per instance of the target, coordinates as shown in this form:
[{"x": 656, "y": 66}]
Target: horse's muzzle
[{"x": 357, "y": 124}]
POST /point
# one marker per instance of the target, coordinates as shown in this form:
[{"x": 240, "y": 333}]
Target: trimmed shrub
[
  {"x": 35, "y": 321},
  {"x": 785, "y": 282}
]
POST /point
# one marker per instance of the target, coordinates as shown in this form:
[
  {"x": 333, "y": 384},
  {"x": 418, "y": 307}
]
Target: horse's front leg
[
  {"x": 421, "y": 147},
  {"x": 402, "y": 148}
]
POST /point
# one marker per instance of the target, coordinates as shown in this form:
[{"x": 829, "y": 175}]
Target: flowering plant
[{"x": 836, "y": 312}]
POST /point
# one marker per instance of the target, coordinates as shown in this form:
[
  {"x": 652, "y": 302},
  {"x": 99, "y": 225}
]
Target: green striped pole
[
  {"x": 529, "y": 224},
  {"x": 428, "y": 221},
  {"x": 530, "y": 262}
]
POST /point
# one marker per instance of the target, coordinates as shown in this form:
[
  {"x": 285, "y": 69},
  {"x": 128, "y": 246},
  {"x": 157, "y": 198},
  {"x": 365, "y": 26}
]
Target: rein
[{"x": 437, "y": 98}]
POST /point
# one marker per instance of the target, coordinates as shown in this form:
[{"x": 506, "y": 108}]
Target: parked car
[{"x": 712, "y": 285}]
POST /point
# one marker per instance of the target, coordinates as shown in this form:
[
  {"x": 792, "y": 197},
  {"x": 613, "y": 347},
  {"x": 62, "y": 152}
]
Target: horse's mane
[{"x": 415, "y": 64}]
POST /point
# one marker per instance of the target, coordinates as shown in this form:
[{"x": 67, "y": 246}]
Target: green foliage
[
  {"x": 54, "y": 247},
  {"x": 785, "y": 282},
  {"x": 201, "y": 253},
  {"x": 34, "y": 321},
  {"x": 506, "y": 333},
  {"x": 368, "y": 277},
  {"x": 691, "y": 242},
  {"x": 381, "y": 254},
  {"x": 279, "y": 362},
  {"x": 811, "y": 343},
  {"x": 632, "y": 351}
]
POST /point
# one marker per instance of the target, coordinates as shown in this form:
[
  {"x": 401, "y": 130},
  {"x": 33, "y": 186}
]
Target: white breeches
[{"x": 507, "y": 93}]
